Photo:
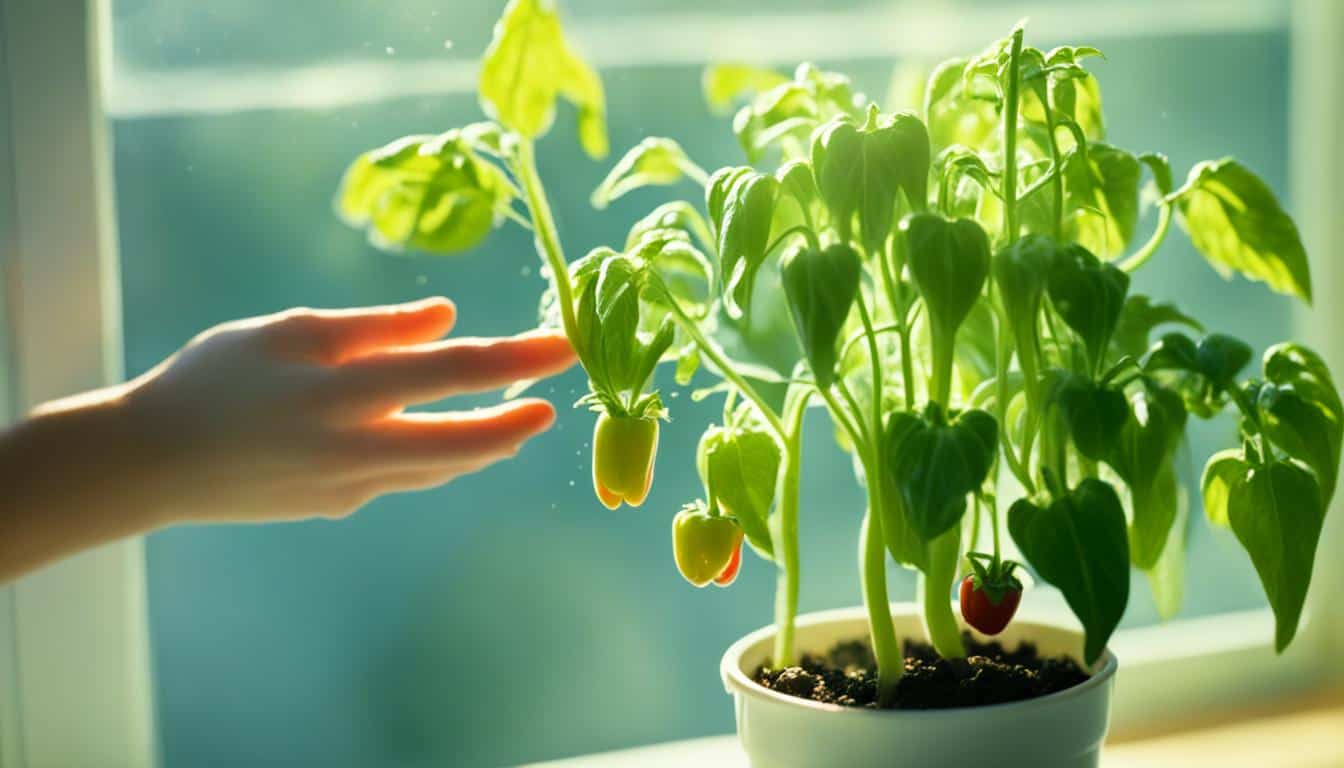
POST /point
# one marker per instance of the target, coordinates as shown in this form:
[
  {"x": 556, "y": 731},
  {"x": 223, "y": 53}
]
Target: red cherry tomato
[{"x": 980, "y": 611}]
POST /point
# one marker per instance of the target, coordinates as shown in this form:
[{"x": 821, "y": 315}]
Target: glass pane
[{"x": 507, "y": 617}]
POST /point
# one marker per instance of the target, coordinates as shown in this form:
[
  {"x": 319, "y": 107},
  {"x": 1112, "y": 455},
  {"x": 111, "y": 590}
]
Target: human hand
[{"x": 300, "y": 414}]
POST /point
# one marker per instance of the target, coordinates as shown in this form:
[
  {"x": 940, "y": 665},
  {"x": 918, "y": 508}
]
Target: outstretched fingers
[
  {"x": 452, "y": 442},
  {"x": 393, "y": 378},
  {"x": 333, "y": 336}
]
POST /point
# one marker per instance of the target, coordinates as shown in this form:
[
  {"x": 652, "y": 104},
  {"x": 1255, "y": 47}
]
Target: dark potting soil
[{"x": 988, "y": 675}]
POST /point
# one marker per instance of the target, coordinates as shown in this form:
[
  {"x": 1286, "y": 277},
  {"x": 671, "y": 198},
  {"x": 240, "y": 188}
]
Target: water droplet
[
  {"x": 571, "y": 483},
  {"x": 390, "y": 51},
  {"x": 447, "y": 45},
  {"x": 526, "y": 271}
]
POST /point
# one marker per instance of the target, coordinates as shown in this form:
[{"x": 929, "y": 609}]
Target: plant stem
[
  {"x": 546, "y": 239},
  {"x": 1010, "y": 102},
  {"x": 873, "y": 568},
  {"x": 786, "y": 585},
  {"x": 716, "y": 356},
  {"x": 1145, "y": 253},
  {"x": 1058, "y": 183},
  {"x": 934, "y": 595}
]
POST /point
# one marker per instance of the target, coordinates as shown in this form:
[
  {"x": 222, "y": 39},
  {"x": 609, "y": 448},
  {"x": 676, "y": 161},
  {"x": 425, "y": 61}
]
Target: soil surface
[{"x": 988, "y": 675}]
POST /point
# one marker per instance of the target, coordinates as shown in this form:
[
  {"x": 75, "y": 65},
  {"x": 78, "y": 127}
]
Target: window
[{"x": 412, "y": 634}]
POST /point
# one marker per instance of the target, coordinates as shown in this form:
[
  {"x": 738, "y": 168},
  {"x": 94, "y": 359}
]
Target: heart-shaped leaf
[
  {"x": 748, "y": 217},
  {"x": 739, "y": 466},
  {"x": 1078, "y": 543},
  {"x": 1146, "y": 448},
  {"x": 949, "y": 261},
  {"x": 821, "y": 287},
  {"x": 935, "y": 463},
  {"x": 1089, "y": 296},
  {"x": 1094, "y": 414}
]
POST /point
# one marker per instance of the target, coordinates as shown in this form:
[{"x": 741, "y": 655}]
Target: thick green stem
[
  {"x": 1010, "y": 102},
  {"x": 786, "y": 552},
  {"x": 935, "y": 589},
  {"x": 873, "y": 569},
  {"x": 1058, "y": 183},
  {"x": 940, "y": 379},
  {"x": 545, "y": 237}
]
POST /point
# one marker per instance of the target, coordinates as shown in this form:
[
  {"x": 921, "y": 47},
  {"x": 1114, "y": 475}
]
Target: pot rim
[{"x": 736, "y": 681}]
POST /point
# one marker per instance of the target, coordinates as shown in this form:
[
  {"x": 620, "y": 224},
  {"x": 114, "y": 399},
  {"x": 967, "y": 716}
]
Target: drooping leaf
[
  {"x": 1095, "y": 414},
  {"x": 1020, "y": 273},
  {"x": 528, "y": 65},
  {"x": 1276, "y": 512},
  {"x": 748, "y": 219},
  {"x": 953, "y": 115},
  {"x": 935, "y": 463},
  {"x": 1222, "y": 473},
  {"x": 949, "y": 261},
  {"x": 739, "y": 467},
  {"x": 1166, "y": 579},
  {"x": 1078, "y": 543},
  {"x": 820, "y": 287},
  {"x": 653, "y": 161},
  {"x": 1237, "y": 224},
  {"x": 1102, "y": 198},
  {"x": 1089, "y": 295},
  {"x": 1143, "y": 456},
  {"x": 1303, "y": 415}
]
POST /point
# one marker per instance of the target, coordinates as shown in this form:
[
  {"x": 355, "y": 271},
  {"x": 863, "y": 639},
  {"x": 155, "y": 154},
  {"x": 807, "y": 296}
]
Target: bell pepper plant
[{"x": 958, "y": 280}]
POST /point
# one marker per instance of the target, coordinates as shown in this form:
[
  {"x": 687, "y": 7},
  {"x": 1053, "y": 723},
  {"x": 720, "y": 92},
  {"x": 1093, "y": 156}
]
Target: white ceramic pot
[{"x": 1062, "y": 730}]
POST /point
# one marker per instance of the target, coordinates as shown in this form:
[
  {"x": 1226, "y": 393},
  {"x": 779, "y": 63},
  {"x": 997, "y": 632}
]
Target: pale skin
[{"x": 290, "y": 416}]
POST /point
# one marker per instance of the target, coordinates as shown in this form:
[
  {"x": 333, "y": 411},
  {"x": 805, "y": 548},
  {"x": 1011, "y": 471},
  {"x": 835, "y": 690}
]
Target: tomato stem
[
  {"x": 935, "y": 589},
  {"x": 1010, "y": 102}
]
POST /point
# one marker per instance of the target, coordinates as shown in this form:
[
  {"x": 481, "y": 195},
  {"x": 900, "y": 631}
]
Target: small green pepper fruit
[
  {"x": 623, "y": 451},
  {"x": 704, "y": 544}
]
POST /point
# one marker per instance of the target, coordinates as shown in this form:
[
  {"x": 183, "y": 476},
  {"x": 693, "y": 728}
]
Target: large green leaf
[
  {"x": 1276, "y": 512},
  {"x": 1237, "y": 223},
  {"x": 1166, "y": 579},
  {"x": 1095, "y": 414},
  {"x": 1301, "y": 411},
  {"x": 427, "y": 193},
  {"x": 949, "y": 261},
  {"x": 739, "y": 466},
  {"x": 935, "y": 463},
  {"x": 1020, "y": 273},
  {"x": 820, "y": 286},
  {"x": 1102, "y": 198},
  {"x": 1078, "y": 544},
  {"x": 654, "y": 161},
  {"x": 528, "y": 65}
]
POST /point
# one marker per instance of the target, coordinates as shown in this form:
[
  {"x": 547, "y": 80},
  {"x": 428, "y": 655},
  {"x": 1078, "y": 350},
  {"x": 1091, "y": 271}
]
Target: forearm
[{"x": 69, "y": 480}]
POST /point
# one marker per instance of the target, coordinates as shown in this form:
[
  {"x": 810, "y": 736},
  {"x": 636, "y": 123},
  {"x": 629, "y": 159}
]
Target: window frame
[{"x": 75, "y": 682}]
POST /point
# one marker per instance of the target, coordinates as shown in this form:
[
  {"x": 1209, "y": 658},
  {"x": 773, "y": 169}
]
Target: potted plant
[{"x": 957, "y": 283}]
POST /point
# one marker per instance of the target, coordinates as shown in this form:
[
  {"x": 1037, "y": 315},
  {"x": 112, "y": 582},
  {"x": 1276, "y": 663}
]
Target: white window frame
[
  {"x": 74, "y": 663},
  {"x": 75, "y": 684}
]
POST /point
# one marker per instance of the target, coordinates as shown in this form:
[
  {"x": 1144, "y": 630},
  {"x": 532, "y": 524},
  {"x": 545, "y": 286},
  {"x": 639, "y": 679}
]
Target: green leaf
[
  {"x": 726, "y": 83},
  {"x": 949, "y": 261},
  {"x": 1276, "y": 512},
  {"x": 935, "y": 463},
  {"x": 618, "y": 358},
  {"x": 1222, "y": 473},
  {"x": 1078, "y": 544},
  {"x": 1220, "y": 358},
  {"x": 1237, "y": 224},
  {"x": 748, "y": 218},
  {"x": 1138, "y": 318},
  {"x": 1102, "y": 198},
  {"x": 821, "y": 287},
  {"x": 654, "y": 161},
  {"x": 1095, "y": 415},
  {"x": 677, "y": 215},
  {"x": 1143, "y": 456},
  {"x": 953, "y": 115},
  {"x": 1089, "y": 295},
  {"x": 784, "y": 116},
  {"x": 528, "y": 65},
  {"x": 862, "y": 170},
  {"x": 1020, "y": 273},
  {"x": 428, "y": 193},
  {"x": 898, "y": 533},
  {"x": 1166, "y": 579},
  {"x": 739, "y": 467},
  {"x": 1304, "y": 429},
  {"x": 1079, "y": 99},
  {"x": 721, "y": 184}
]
